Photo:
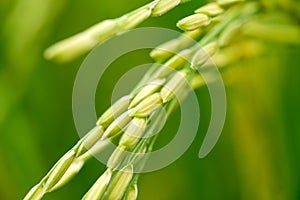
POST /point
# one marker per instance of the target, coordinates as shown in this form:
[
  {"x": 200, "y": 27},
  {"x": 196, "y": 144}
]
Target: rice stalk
[
  {"x": 128, "y": 118},
  {"x": 114, "y": 126},
  {"x": 84, "y": 41}
]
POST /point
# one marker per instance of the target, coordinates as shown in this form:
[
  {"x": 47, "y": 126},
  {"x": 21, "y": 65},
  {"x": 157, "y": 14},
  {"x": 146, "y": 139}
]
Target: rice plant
[{"x": 227, "y": 30}]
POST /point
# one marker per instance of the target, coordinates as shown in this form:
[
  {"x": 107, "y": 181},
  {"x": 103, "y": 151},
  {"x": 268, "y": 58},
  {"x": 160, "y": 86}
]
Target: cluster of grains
[
  {"x": 226, "y": 31},
  {"x": 83, "y": 42}
]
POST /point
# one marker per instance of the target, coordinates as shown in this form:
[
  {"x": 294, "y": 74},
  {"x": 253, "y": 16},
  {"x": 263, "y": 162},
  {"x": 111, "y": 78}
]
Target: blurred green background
[{"x": 256, "y": 158}]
